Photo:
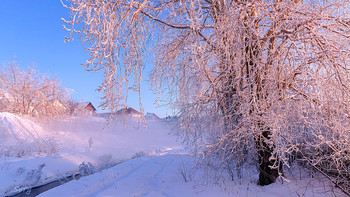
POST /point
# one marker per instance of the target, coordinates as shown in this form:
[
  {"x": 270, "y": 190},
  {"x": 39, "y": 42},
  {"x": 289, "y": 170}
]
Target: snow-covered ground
[
  {"x": 153, "y": 162},
  {"x": 14, "y": 129},
  {"x": 169, "y": 173},
  {"x": 63, "y": 145}
]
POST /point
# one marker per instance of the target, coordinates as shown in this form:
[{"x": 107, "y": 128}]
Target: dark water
[{"x": 40, "y": 189}]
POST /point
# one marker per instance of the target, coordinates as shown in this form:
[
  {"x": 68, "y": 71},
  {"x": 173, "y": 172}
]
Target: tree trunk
[
  {"x": 253, "y": 79},
  {"x": 264, "y": 142},
  {"x": 267, "y": 174}
]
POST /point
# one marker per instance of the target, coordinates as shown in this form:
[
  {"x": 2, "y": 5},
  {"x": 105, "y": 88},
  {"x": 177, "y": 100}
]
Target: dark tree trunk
[
  {"x": 267, "y": 175},
  {"x": 264, "y": 143}
]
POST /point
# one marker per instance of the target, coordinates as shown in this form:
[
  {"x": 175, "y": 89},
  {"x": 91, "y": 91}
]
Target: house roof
[
  {"x": 90, "y": 106},
  {"x": 58, "y": 103},
  {"x": 127, "y": 110},
  {"x": 152, "y": 116},
  {"x": 85, "y": 105}
]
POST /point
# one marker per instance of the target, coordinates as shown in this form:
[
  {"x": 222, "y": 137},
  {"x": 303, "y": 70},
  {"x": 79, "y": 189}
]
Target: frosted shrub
[
  {"x": 45, "y": 146},
  {"x": 87, "y": 169},
  {"x": 104, "y": 162},
  {"x": 139, "y": 154},
  {"x": 33, "y": 177}
]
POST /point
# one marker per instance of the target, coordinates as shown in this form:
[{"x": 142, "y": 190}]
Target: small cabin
[
  {"x": 152, "y": 117},
  {"x": 129, "y": 112},
  {"x": 90, "y": 107},
  {"x": 84, "y": 108}
]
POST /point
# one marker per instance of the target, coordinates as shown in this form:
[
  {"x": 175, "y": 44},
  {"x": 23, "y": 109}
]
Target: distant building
[
  {"x": 129, "y": 112},
  {"x": 53, "y": 108},
  {"x": 57, "y": 103},
  {"x": 84, "y": 108},
  {"x": 90, "y": 107},
  {"x": 152, "y": 117}
]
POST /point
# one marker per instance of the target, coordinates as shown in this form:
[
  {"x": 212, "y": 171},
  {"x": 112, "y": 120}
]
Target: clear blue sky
[{"x": 31, "y": 33}]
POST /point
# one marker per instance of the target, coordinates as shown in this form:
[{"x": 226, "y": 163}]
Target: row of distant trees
[{"x": 26, "y": 91}]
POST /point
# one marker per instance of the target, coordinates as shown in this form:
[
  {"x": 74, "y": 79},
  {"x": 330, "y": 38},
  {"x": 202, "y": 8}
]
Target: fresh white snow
[
  {"x": 15, "y": 129},
  {"x": 162, "y": 174},
  {"x": 77, "y": 140},
  {"x": 154, "y": 163}
]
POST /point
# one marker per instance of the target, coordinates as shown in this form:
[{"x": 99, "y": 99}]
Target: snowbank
[{"x": 15, "y": 129}]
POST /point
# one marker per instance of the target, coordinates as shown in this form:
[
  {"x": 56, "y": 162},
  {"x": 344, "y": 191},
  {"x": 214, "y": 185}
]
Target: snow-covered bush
[
  {"x": 45, "y": 146},
  {"x": 26, "y": 179},
  {"x": 139, "y": 154},
  {"x": 104, "y": 162},
  {"x": 142, "y": 153},
  {"x": 33, "y": 177},
  {"x": 86, "y": 169},
  {"x": 317, "y": 136}
]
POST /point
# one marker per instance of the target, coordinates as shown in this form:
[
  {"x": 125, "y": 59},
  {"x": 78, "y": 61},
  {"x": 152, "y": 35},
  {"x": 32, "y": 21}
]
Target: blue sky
[{"x": 31, "y": 33}]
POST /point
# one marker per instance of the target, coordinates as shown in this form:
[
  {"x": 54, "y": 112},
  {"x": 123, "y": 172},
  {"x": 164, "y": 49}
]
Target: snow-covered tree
[
  {"x": 26, "y": 91},
  {"x": 272, "y": 74}
]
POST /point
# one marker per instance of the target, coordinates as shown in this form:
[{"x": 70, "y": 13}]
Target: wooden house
[
  {"x": 129, "y": 112},
  {"x": 84, "y": 108}
]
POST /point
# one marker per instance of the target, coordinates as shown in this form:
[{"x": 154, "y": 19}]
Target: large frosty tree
[{"x": 272, "y": 74}]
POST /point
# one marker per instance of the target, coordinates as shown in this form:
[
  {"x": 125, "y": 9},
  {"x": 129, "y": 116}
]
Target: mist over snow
[
  {"x": 153, "y": 162},
  {"x": 63, "y": 144}
]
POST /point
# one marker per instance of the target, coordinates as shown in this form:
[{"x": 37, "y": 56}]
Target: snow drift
[{"x": 15, "y": 129}]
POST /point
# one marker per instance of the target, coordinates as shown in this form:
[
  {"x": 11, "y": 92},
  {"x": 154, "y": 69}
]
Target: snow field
[
  {"x": 15, "y": 129},
  {"x": 78, "y": 140},
  {"x": 161, "y": 175},
  {"x": 153, "y": 163}
]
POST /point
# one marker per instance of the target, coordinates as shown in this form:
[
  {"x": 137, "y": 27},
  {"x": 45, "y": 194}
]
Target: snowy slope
[{"x": 15, "y": 129}]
